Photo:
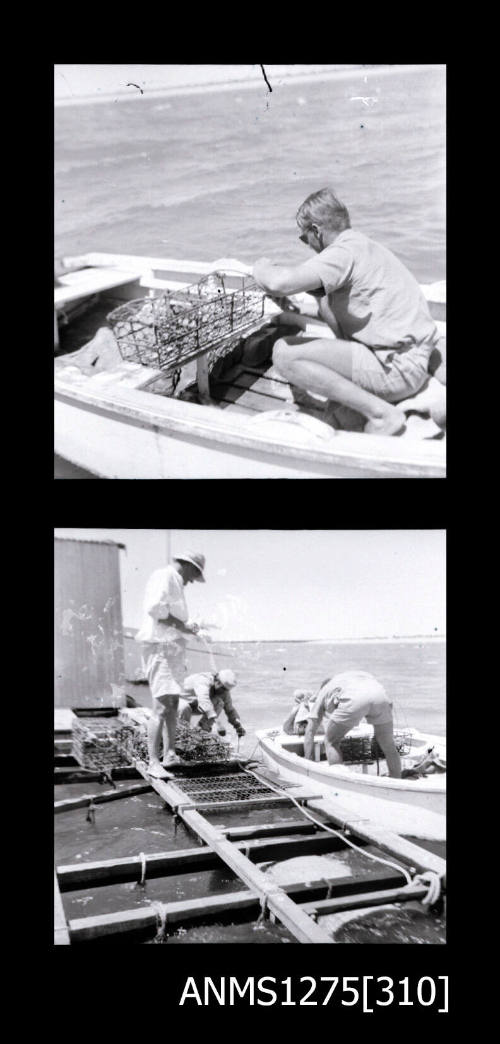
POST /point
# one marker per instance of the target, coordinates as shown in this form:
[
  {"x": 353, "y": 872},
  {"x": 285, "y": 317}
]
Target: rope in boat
[{"x": 336, "y": 833}]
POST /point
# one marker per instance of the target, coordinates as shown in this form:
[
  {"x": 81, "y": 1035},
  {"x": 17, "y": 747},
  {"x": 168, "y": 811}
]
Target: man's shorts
[
  {"x": 391, "y": 375},
  {"x": 164, "y": 668},
  {"x": 376, "y": 708}
]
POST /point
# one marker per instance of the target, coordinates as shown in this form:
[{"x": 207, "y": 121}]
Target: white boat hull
[
  {"x": 414, "y": 808},
  {"x": 108, "y": 425}
]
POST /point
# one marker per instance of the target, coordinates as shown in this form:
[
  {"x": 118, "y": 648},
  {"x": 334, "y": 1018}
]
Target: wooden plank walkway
[{"x": 271, "y": 895}]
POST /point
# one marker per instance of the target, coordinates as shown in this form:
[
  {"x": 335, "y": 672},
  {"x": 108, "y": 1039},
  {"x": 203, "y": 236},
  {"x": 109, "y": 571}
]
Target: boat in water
[
  {"x": 409, "y": 806},
  {"x": 223, "y": 413}
]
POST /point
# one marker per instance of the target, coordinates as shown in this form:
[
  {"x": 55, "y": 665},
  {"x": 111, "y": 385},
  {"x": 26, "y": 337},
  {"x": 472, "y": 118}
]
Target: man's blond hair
[{"x": 324, "y": 209}]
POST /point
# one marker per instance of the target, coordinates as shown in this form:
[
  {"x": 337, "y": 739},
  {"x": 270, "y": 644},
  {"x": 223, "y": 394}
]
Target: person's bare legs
[
  {"x": 437, "y": 361},
  {"x": 335, "y": 732},
  {"x": 384, "y": 735},
  {"x": 325, "y": 367},
  {"x": 164, "y": 717}
]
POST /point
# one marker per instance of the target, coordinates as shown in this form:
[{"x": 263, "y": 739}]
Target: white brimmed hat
[
  {"x": 195, "y": 558},
  {"x": 227, "y": 678}
]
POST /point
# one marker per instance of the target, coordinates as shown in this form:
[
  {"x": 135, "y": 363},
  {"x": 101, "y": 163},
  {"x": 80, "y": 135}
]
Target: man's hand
[
  {"x": 205, "y": 724},
  {"x": 240, "y": 731}
]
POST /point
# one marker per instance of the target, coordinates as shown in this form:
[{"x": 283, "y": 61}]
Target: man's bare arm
[
  {"x": 284, "y": 279},
  {"x": 310, "y": 733},
  {"x": 173, "y": 621}
]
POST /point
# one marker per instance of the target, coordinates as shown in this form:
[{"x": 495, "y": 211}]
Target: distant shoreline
[
  {"x": 419, "y": 639},
  {"x": 285, "y": 79}
]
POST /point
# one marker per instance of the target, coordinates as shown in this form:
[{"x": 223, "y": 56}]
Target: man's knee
[
  {"x": 163, "y": 705},
  {"x": 280, "y": 352}
]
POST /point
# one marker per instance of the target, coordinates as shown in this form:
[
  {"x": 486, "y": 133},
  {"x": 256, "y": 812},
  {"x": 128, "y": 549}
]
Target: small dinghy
[{"x": 414, "y": 805}]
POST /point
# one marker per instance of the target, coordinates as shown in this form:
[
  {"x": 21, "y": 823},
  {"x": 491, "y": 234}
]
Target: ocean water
[
  {"x": 222, "y": 174},
  {"x": 413, "y": 673}
]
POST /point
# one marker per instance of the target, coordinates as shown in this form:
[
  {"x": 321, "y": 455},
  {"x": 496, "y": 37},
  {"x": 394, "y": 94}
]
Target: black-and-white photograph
[
  {"x": 250, "y": 736},
  {"x": 249, "y": 275}
]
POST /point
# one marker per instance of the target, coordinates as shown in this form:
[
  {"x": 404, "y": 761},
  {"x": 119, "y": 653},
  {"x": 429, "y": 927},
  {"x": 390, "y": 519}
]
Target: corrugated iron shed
[{"x": 89, "y": 663}]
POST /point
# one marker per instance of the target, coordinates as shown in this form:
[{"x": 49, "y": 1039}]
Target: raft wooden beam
[
  {"x": 161, "y": 864},
  {"x": 235, "y": 904},
  {"x": 299, "y": 923},
  {"x": 268, "y": 830},
  {"x": 77, "y": 774},
  {"x": 389, "y": 895},
  {"x": 63, "y": 746},
  {"x": 97, "y": 799},
  {"x": 158, "y": 864},
  {"x": 61, "y": 934},
  {"x": 398, "y": 847},
  {"x": 247, "y": 803},
  {"x": 89, "y": 929}
]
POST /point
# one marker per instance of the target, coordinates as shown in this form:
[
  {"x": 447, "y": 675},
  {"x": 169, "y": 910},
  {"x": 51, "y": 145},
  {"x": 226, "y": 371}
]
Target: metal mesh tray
[{"x": 168, "y": 331}]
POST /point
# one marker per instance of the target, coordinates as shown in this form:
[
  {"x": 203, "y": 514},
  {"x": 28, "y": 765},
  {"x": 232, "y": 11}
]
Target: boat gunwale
[
  {"x": 330, "y": 771},
  {"x": 191, "y": 420}
]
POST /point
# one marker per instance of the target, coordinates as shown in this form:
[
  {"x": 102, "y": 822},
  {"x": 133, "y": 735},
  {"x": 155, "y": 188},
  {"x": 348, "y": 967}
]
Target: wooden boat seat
[{"x": 88, "y": 281}]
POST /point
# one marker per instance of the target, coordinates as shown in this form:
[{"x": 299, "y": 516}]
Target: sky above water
[{"x": 295, "y": 584}]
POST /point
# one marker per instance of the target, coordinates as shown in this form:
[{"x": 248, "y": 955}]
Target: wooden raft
[
  {"x": 275, "y": 899},
  {"x": 239, "y": 847}
]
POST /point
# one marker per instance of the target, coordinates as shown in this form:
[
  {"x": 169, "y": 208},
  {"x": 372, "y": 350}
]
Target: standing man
[
  {"x": 386, "y": 343},
  {"x": 344, "y": 700},
  {"x": 209, "y": 693},
  {"x": 164, "y": 634}
]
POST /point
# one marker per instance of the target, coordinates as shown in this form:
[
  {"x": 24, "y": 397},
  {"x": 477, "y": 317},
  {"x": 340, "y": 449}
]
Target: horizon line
[{"x": 222, "y": 85}]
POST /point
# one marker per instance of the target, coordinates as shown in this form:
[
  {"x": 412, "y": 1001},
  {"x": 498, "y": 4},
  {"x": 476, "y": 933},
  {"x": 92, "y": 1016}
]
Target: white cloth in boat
[
  {"x": 350, "y": 696},
  {"x": 373, "y": 296},
  {"x": 163, "y": 644},
  {"x": 200, "y": 689}
]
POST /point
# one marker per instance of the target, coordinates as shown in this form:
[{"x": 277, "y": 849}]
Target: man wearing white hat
[
  {"x": 164, "y": 633},
  {"x": 209, "y": 693}
]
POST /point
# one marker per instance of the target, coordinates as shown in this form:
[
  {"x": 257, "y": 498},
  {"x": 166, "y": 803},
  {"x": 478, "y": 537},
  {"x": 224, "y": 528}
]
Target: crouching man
[
  {"x": 208, "y": 693},
  {"x": 343, "y": 701}
]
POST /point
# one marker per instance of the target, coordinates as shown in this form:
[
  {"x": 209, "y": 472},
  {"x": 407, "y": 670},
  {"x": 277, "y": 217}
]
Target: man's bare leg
[
  {"x": 170, "y": 728},
  {"x": 334, "y": 735},
  {"x": 155, "y": 727},
  {"x": 385, "y": 737},
  {"x": 325, "y": 367}
]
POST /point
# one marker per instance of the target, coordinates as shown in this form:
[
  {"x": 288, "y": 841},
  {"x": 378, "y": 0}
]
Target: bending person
[
  {"x": 208, "y": 693},
  {"x": 163, "y": 634},
  {"x": 386, "y": 343},
  {"x": 344, "y": 700},
  {"x": 296, "y": 722}
]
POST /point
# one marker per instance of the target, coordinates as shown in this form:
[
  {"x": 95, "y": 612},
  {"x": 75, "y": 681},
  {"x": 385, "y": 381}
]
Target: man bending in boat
[
  {"x": 208, "y": 693},
  {"x": 164, "y": 633},
  {"x": 386, "y": 343},
  {"x": 344, "y": 700}
]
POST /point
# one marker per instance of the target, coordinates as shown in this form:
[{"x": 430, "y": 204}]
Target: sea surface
[
  {"x": 413, "y": 673},
  {"x": 221, "y": 174}
]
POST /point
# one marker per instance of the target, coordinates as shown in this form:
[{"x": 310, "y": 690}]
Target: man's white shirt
[{"x": 164, "y": 596}]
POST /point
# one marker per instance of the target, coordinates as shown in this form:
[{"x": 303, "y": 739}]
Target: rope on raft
[
  {"x": 161, "y": 923},
  {"x": 433, "y": 880},
  {"x": 142, "y": 880}
]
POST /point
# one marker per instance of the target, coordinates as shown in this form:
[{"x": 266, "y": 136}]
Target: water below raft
[{"x": 143, "y": 823}]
